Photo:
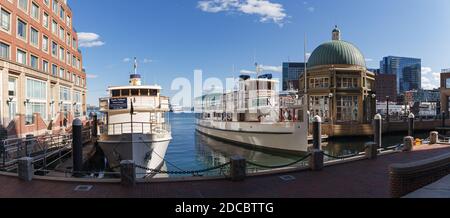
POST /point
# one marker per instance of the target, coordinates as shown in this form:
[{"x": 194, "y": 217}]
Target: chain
[
  {"x": 345, "y": 156},
  {"x": 184, "y": 172},
  {"x": 281, "y": 166}
]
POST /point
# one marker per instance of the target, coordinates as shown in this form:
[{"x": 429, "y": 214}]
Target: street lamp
[
  {"x": 387, "y": 108},
  {"x": 330, "y": 109},
  {"x": 374, "y": 106}
]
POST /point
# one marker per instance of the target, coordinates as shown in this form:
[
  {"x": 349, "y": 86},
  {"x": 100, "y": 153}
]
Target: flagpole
[{"x": 305, "y": 73}]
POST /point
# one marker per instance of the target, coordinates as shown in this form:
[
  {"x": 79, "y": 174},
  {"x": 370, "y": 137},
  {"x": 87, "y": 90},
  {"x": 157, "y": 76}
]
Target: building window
[
  {"x": 5, "y": 20},
  {"x": 320, "y": 105},
  {"x": 61, "y": 53},
  {"x": 54, "y": 27},
  {"x": 74, "y": 43},
  {"x": 35, "y": 11},
  {"x": 69, "y": 21},
  {"x": 347, "y": 108},
  {"x": 45, "y": 66},
  {"x": 61, "y": 33},
  {"x": 12, "y": 86},
  {"x": 54, "y": 70},
  {"x": 34, "y": 37},
  {"x": 36, "y": 90},
  {"x": 21, "y": 29},
  {"x": 35, "y": 108},
  {"x": 45, "y": 43},
  {"x": 54, "y": 49},
  {"x": 61, "y": 73},
  {"x": 55, "y": 6},
  {"x": 23, "y": 4},
  {"x": 47, "y": 2},
  {"x": 319, "y": 83},
  {"x": 21, "y": 57},
  {"x": 64, "y": 94},
  {"x": 347, "y": 82},
  {"x": 45, "y": 20},
  {"x": 4, "y": 50},
  {"x": 62, "y": 13},
  {"x": 34, "y": 62}
]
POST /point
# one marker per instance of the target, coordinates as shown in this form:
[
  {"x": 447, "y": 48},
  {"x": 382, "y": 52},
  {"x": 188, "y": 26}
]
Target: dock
[{"x": 369, "y": 179}]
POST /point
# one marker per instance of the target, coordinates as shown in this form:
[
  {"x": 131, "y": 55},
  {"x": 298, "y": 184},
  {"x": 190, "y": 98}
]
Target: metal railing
[
  {"x": 39, "y": 148},
  {"x": 135, "y": 127}
]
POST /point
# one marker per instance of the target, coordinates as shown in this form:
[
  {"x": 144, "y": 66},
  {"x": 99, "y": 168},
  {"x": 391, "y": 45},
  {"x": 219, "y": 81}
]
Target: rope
[
  {"x": 345, "y": 156},
  {"x": 280, "y": 166},
  {"x": 183, "y": 172},
  {"x": 170, "y": 163}
]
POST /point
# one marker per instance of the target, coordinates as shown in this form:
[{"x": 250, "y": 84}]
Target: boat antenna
[{"x": 135, "y": 65}]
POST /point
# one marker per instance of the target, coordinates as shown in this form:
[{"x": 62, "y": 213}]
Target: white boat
[
  {"x": 177, "y": 109},
  {"x": 136, "y": 127},
  {"x": 255, "y": 115}
]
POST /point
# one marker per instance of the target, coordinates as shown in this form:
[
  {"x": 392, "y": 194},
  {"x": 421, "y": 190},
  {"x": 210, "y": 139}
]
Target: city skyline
[{"x": 269, "y": 32}]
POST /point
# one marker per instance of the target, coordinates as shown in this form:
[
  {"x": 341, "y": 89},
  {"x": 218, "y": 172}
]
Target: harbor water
[{"x": 190, "y": 150}]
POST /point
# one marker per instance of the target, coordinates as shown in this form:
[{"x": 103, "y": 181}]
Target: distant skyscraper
[
  {"x": 375, "y": 71},
  {"x": 291, "y": 74},
  {"x": 407, "y": 70}
]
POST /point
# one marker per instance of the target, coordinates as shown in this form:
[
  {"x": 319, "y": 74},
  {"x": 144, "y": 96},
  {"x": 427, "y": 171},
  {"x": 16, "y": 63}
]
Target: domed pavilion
[{"x": 340, "y": 89}]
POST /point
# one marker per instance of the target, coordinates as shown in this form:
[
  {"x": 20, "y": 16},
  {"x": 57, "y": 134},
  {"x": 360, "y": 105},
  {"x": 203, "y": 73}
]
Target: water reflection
[{"x": 190, "y": 150}]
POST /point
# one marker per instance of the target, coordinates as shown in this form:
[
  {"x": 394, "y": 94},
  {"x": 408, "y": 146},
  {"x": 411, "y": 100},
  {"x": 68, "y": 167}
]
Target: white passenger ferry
[
  {"x": 255, "y": 115},
  {"x": 136, "y": 126}
]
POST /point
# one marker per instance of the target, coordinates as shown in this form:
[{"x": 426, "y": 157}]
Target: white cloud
[
  {"x": 266, "y": 10},
  {"x": 147, "y": 61},
  {"x": 277, "y": 69},
  {"x": 247, "y": 72},
  {"x": 89, "y": 40},
  {"x": 91, "y": 76},
  {"x": 126, "y": 60},
  {"x": 430, "y": 79},
  {"x": 311, "y": 9},
  {"x": 369, "y": 59}
]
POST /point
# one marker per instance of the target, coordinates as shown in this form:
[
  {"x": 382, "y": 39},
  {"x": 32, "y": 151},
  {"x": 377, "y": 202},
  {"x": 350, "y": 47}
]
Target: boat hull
[
  {"x": 292, "y": 139},
  {"x": 145, "y": 150}
]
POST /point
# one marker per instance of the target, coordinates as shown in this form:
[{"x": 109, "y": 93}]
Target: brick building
[{"x": 43, "y": 84}]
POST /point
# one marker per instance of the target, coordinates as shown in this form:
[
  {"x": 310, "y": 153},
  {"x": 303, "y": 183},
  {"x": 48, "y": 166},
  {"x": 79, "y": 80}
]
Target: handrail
[{"x": 134, "y": 127}]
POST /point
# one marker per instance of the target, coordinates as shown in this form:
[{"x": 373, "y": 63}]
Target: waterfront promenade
[{"x": 365, "y": 179}]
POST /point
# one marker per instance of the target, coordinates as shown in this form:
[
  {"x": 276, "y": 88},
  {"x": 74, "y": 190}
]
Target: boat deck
[{"x": 369, "y": 178}]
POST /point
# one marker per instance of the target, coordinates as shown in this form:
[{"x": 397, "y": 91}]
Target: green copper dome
[{"x": 336, "y": 52}]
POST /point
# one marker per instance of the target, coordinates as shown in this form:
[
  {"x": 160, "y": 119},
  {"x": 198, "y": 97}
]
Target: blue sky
[{"x": 172, "y": 38}]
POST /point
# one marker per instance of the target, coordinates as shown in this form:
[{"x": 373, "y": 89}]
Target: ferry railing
[{"x": 135, "y": 127}]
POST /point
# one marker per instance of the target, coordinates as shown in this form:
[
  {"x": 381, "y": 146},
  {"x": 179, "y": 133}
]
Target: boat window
[
  {"x": 135, "y": 92},
  {"x": 144, "y": 92},
  {"x": 125, "y": 92},
  {"x": 153, "y": 92},
  {"x": 115, "y": 93}
]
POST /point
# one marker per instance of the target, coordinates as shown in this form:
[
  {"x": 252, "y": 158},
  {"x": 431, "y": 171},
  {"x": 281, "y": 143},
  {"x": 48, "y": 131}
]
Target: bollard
[
  {"x": 25, "y": 169},
  {"x": 377, "y": 130},
  {"x": 317, "y": 133},
  {"x": 94, "y": 125},
  {"x": 434, "y": 138},
  {"x": 29, "y": 144},
  {"x": 128, "y": 173},
  {"x": 316, "y": 160},
  {"x": 238, "y": 168},
  {"x": 77, "y": 147},
  {"x": 411, "y": 125},
  {"x": 408, "y": 143},
  {"x": 371, "y": 150}
]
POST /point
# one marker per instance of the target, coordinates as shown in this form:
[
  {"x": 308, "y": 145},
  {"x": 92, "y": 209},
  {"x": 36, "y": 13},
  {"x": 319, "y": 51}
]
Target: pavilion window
[
  {"x": 135, "y": 92},
  {"x": 125, "y": 92},
  {"x": 115, "y": 93},
  {"x": 144, "y": 92}
]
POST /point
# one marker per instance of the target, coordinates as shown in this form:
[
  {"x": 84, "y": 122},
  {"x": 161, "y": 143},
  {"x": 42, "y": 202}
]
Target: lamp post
[
  {"x": 331, "y": 107},
  {"x": 387, "y": 108},
  {"x": 374, "y": 105}
]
